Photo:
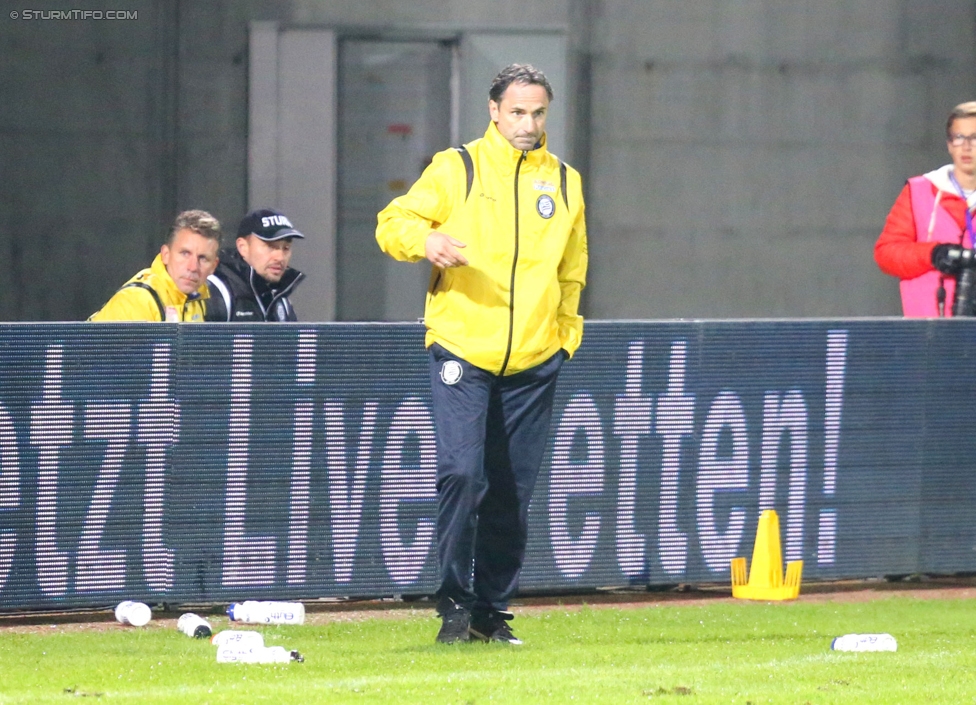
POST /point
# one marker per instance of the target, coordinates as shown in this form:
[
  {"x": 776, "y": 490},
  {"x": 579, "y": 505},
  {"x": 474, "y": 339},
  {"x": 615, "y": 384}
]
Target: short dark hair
[
  {"x": 200, "y": 222},
  {"x": 963, "y": 110},
  {"x": 525, "y": 74}
]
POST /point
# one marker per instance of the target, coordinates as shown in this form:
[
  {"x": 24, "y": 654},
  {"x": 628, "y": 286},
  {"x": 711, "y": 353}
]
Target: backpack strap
[
  {"x": 155, "y": 295},
  {"x": 468, "y": 168},
  {"x": 562, "y": 182},
  {"x": 469, "y": 172}
]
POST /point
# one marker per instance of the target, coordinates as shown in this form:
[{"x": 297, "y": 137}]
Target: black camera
[
  {"x": 964, "y": 303},
  {"x": 960, "y": 263}
]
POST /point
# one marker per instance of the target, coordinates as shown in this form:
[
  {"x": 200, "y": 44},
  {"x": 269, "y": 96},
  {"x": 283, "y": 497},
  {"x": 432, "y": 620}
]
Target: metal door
[{"x": 395, "y": 111}]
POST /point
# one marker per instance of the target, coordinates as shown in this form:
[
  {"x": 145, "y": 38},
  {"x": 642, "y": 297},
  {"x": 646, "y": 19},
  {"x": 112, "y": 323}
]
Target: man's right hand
[
  {"x": 949, "y": 259},
  {"x": 442, "y": 250}
]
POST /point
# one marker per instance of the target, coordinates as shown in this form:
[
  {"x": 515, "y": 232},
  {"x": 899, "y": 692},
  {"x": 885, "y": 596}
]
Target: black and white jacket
[{"x": 239, "y": 295}]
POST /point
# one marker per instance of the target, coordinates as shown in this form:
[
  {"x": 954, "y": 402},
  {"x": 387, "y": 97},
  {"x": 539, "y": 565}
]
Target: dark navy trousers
[{"x": 491, "y": 438}]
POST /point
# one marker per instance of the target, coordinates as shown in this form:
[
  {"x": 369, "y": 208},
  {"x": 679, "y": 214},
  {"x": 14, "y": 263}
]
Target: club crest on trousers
[{"x": 450, "y": 372}]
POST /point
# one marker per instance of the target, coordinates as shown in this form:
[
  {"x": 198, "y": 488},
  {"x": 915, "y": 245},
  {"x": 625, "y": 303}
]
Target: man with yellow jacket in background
[
  {"x": 502, "y": 221},
  {"x": 174, "y": 287}
]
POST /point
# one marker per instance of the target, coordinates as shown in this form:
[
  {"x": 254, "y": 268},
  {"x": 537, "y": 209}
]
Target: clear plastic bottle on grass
[
  {"x": 258, "y": 654},
  {"x": 243, "y": 639},
  {"x": 864, "y": 642},
  {"x": 267, "y": 612}
]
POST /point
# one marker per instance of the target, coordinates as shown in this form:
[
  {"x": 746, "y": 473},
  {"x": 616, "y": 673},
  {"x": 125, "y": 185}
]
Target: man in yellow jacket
[
  {"x": 502, "y": 221},
  {"x": 174, "y": 287}
]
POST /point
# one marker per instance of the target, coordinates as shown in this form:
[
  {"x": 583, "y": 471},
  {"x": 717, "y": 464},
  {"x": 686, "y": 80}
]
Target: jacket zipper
[
  {"x": 186, "y": 303},
  {"x": 511, "y": 288},
  {"x": 280, "y": 295},
  {"x": 265, "y": 312}
]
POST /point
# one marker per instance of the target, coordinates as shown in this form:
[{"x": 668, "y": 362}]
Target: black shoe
[
  {"x": 494, "y": 627},
  {"x": 455, "y": 621}
]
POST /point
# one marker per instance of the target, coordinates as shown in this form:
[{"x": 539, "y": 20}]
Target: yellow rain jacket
[
  {"x": 135, "y": 302},
  {"x": 522, "y": 218}
]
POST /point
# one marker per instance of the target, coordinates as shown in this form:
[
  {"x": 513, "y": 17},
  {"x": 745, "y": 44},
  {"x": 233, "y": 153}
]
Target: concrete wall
[
  {"x": 86, "y": 163},
  {"x": 740, "y": 155},
  {"x": 745, "y": 153}
]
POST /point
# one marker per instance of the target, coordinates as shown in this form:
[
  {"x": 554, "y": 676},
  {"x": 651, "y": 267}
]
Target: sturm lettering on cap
[{"x": 270, "y": 221}]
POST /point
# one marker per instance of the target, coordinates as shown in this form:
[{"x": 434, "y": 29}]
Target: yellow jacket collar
[
  {"x": 167, "y": 284},
  {"x": 508, "y": 155}
]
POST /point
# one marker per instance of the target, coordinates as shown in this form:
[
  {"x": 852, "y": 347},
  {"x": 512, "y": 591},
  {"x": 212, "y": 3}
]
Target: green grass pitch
[{"x": 714, "y": 652}]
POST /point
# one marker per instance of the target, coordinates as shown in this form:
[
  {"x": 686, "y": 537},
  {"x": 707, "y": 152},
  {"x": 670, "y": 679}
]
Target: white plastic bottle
[
  {"x": 194, "y": 625},
  {"x": 261, "y": 612},
  {"x": 257, "y": 654},
  {"x": 241, "y": 639},
  {"x": 864, "y": 642},
  {"x": 136, "y": 614}
]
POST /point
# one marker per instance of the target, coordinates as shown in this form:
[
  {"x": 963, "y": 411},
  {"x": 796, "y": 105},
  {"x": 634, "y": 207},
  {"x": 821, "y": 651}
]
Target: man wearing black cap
[{"x": 253, "y": 282}]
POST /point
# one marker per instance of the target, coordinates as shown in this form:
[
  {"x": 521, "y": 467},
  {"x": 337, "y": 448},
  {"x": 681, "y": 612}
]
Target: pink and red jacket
[{"x": 928, "y": 211}]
